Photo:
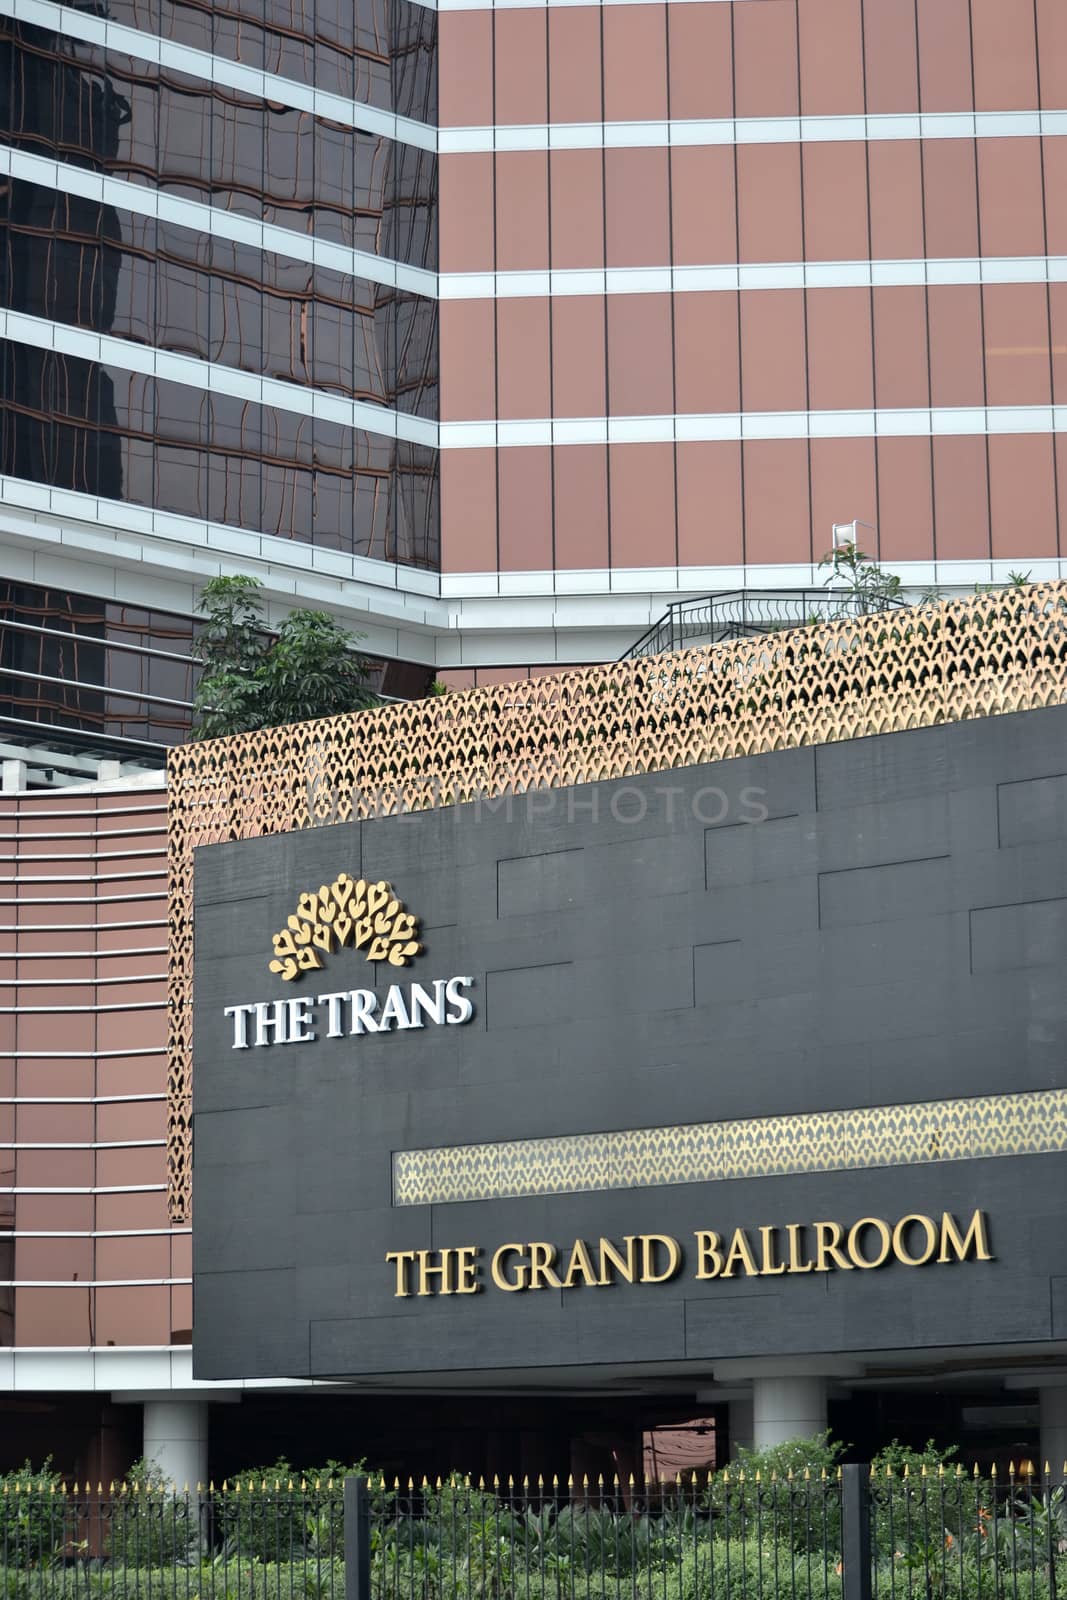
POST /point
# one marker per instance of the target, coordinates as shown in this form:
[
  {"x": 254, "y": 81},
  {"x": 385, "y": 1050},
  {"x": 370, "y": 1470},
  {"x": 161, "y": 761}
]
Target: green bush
[
  {"x": 152, "y": 1525},
  {"x": 33, "y": 1526}
]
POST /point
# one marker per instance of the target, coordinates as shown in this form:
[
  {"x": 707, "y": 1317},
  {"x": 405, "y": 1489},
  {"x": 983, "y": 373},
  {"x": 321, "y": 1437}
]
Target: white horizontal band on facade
[
  {"x": 135, "y": 1369},
  {"x": 92, "y": 1283},
  {"x": 72, "y": 983},
  {"x": 77, "y": 855},
  {"x": 77, "y": 1099},
  {"x": 746, "y": 278},
  {"x": 81, "y": 877},
  {"x": 911, "y": 422},
  {"x": 83, "y": 833},
  {"x": 222, "y": 70},
  {"x": 212, "y": 377},
  {"x": 92, "y": 954},
  {"x": 79, "y": 955},
  {"x": 90, "y": 1233},
  {"x": 80, "y": 1011},
  {"x": 875, "y": 127},
  {"x": 113, "y": 1188},
  {"x": 68, "y": 900},
  {"x": 84, "y": 1144},
  {"x": 202, "y": 218},
  {"x": 83, "y": 1055}
]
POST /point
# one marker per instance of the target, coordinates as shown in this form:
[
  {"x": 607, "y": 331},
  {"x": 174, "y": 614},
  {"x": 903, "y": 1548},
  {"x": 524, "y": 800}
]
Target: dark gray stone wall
[{"x": 893, "y": 929}]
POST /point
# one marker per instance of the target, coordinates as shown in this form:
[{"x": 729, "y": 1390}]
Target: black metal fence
[
  {"x": 735, "y": 614},
  {"x": 945, "y": 1535}
]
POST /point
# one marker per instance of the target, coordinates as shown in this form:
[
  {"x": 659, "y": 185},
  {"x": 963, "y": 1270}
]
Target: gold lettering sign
[
  {"x": 768, "y": 1251},
  {"x": 349, "y": 911}
]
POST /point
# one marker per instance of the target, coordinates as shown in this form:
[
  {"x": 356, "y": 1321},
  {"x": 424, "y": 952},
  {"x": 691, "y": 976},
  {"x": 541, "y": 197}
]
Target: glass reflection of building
[{"x": 137, "y": 418}]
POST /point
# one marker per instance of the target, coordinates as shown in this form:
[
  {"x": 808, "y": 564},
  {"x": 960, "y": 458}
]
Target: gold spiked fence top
[
  {"x": 975, "y": 657},
  {"x": 1024, "y": 1473}
]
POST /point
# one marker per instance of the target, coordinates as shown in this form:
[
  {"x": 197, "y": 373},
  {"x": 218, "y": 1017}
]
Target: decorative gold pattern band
[{"x": 760, "y": 1147}]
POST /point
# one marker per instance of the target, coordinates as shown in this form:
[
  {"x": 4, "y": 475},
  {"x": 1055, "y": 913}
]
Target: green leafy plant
[
  {"x": 252, "y": 679},
  {"x": 33, "y": 1524},
  {"x": 153, "y": 1523}
]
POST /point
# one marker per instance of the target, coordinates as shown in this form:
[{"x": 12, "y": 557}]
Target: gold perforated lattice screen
[{"x": 838, "y": 680}]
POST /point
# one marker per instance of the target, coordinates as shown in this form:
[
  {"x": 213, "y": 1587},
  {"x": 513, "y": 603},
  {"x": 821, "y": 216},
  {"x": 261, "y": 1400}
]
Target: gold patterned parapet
[
  {"x": 759, "y": 1147},
  {"x": 912, "y": 668}
]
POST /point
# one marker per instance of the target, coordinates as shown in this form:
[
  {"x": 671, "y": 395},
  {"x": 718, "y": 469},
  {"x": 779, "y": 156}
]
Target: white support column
[
  {"x": 1053, "y": 1417},
  {"x": 787, "y": 1408},
  {"x": 175, "y": 1439}
]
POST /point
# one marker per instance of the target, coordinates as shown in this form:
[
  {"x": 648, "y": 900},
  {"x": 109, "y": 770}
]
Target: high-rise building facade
[{"x": 499, "y": 327}]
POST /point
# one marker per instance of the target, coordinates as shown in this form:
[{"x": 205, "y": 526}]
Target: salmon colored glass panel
[
  {"x": 577, "y": 194},
  {"x": 131, "y": 1210},
  {"x": 773, "y": 374},
  {"x": 905, "y": 500},
  {"x": 525, "y": 490},
  {"x": 831, "y": 58},
  {"x": 945, "y": 56},
  {"x": 58, "y": 1124},
  {"x": 635, "y": 63},
  {"x": 581, "y": 498},
  {"x": 842, "y": 487},
  {"x": 956, "y": 366},
  {"x": 1052, "y": 52},
  {"x": 134, "y": 1075},
  {"x": 181, "y": 1307},
  {"x": 1022, "y": 496},
  {"x": 951, "y": 197},
  {"x": 896, "y": 183},
  {"x": 468, "y": 511},
  {"x": 777, "y": 505},
  {"x": 131, "y": 1030},
  {"x": 642, "y": 505},
  {"x": 120, "y": 1168},
  {"x": 1057, "y": 293},
  {"x": 707, "y": 353},
  {"x": 701, "y": 59},
  {"x": 640, "y": 364},
  {"x": 840, "y": 357},
  {"x": 55, "y": 1169},
  {"x": 579, "y": 371},
  {"x": 521, "y": 55},
  {"x": 60, "y": 1260},
  {"x": 709, "y": 504},
  {"x": 1010, "y": 199},
  {"x": 901, "y": 362},
  {"x": 1060, "y": 441},
  {"x": 765, "y": 59},
  {"x": 465, "y": 68},
  {"x": 574, "y": 87},
  {"x": 637, "y": 204},
  {"x": 768, "y": 199},
  {"x": 1017, "y": 357},
  {"x": 466, "y": 212},
  {"x": 133, "y": 1258},
  {"x": 1005, "y": 55},
  {"x": 524, "y": 378},
  {"x": 521, "y": 210},
  {"x": 57, "y": 1033},
  {"x": 132, "y": 1119},
  {"x": 961, "y": 499},
  {"x": 467, "y": 359},
  {"x": 49, "y": 1213},
  {"x": 891, "y": 56},
  {"x": 704, "y": 211},
  {"x": 835, "y": 202},
  {"x": 1054, "y": 155},
  {"x": 55, "y": 1317},
  {"x": 133, "y": 1316}
]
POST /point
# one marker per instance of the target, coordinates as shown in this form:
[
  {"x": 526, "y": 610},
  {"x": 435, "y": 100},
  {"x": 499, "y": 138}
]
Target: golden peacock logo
[{"x": 348, "y": 911}]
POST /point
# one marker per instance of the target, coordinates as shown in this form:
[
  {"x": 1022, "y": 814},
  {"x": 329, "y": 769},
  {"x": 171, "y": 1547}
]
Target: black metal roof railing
[{"x": 713, "y": 618}]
